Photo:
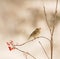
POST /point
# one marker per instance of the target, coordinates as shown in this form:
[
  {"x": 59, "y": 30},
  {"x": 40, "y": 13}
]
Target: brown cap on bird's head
[{"x": 38, "y": 28}]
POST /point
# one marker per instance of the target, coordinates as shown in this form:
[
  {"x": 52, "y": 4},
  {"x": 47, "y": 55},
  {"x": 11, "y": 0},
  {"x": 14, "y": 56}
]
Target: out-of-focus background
[{"x": 18, "y": 19}]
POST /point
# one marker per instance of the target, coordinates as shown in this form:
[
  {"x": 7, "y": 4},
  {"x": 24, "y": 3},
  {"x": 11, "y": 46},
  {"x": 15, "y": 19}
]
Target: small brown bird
[{"x": 35, "y": 33}]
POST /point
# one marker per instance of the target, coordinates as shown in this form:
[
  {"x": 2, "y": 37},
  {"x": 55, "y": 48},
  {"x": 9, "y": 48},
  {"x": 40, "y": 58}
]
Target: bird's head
[{"x": 38, "y": 29}]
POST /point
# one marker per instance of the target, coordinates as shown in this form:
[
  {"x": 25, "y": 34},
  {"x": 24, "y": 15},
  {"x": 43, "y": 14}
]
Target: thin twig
[
  {"x": 45, "y": 38},
  {"x": 33, "y": 40},
  {"x": 25, "y": 52},
  {"x": 56, "y": 7},
  {"x": 55, "y": 13},
  {"x": 43, "y": 49},
  {"x": 46, "y": 17},
  {"x": 25, "y": 55}
]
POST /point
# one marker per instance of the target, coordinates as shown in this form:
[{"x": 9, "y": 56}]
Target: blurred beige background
[{"x": 18, "y": 18}]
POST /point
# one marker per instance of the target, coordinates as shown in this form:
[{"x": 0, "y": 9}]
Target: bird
[{"x": 35, "y": 33}]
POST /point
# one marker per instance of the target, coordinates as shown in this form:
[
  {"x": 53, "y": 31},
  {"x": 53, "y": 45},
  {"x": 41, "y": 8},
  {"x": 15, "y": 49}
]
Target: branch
[
  {"x": 46, "y": 16},
  {"x": 25, "y": 52},
  {"x": 44, "y": 49},
  {"x": 45, "y": 38},
  {"x": 55, "y": 14},
  {"x": 56, "y": 7},
  {"x": 33, "y": 40},
  {"x": 53, "y": 30},
  {"x": 25, "y": 56}
]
